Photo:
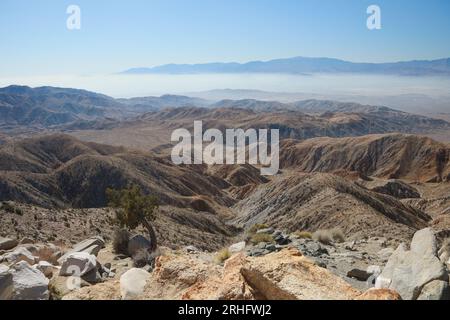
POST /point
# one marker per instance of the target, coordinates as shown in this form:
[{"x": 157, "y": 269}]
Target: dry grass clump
[
  {"x": 303, "y": 234},
  {"x": 222, "y": 256},
  {"x": 329, "y": 236},
  {"x": 261, "y": 237},
  {"x": 255, "y": 228}
]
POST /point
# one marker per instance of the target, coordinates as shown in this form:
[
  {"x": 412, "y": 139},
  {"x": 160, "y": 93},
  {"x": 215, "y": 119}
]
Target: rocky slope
[
  {"x": 391, "y": 156},
  {"x": 297, "y": 202}
]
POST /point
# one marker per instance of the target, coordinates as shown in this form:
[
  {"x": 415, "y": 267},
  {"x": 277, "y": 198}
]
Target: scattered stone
[
  {"x": 20, "y": 254},
  {"x": 358, "y": 274},
  {"x": 120, "y": 257},
  {"x": 237, "y": 247},
  {"x": 407, "y": 272},
  {"x": 191, "y": 249},
  {"x": 132, "y": 283},
  {"x": 138, "y": 243},
  {"x": 6, "y": 283},
  {"x": 26, "y": 241},
  {"x": 29, "y": 283},
  {"x": 7, "y": 243},
  {"x": 435, "y": 290},
  {"x": 78, "y": 264},
  {"x": 46, "y": 268},
  {"x": 89, "y": 245}
]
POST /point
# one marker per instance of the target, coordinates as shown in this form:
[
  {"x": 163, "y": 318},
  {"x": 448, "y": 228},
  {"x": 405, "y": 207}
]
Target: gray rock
[
  {"x": 6, "y": 283},
  {"x": 424, "y": 243},
  {"x": 271, "y": 247},
  {"x": 189, "y": 249},
  {"x": 137, "y": 243},
  {"x": 7, "y": 243},
  {"x": 92, "y": 277},
  {"x": 256, "y": 252},
  {"x": 237, "y": 247},
  {"x": 311, "y": 248},
  {"x": 20, "y": 254},
  {"x": 407, "y": 272},
  {"x": 78, "y": 264},
  {"x": 29, "y": 283},
  {"x": 132, "y": 283},
  {"x": 46, "y": 268},
  {"x": 93, "y": 244},
  {"x": 435, "y": 290},
  {"x": 358, "y": 274},
  {"x": 26, "y": 241}
]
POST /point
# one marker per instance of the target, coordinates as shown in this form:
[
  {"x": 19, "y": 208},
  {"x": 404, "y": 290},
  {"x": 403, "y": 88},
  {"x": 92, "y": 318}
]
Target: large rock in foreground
[
  {"x": 78, "y": 264},
  {"x": 132, "y": 283},
  {"x": 409, "y": 271},
  {"x": 287, "y": 275},
  {"x": 29, "y": 283},
  {"x": 6, "y": 283}
]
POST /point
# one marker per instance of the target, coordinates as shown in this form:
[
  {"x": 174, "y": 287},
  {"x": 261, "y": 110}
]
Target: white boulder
[
  {"x": 132, "y": 283},
  {"x": 29, "y": 283}
]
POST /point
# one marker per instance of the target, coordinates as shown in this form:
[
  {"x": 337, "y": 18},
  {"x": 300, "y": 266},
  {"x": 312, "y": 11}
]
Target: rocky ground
[{"x": 285, "y": 266}]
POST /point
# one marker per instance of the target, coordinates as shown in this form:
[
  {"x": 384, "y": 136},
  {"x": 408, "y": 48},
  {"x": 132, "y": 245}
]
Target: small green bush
[{"x": 261, "y": 237}]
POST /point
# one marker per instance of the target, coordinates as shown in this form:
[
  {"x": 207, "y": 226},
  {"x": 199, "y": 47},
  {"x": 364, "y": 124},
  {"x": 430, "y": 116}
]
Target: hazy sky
[{"x": 117, "y": 35}]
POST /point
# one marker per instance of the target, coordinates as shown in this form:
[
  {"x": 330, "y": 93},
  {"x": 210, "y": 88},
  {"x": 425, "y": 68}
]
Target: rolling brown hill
[
  {"x": 391, "y": 156},
  {"x": 296, "y": 202},
  {"x": 58, "y": 170}
]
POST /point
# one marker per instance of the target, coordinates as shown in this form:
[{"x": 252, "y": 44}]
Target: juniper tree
[{"x": 133, "y": 208}]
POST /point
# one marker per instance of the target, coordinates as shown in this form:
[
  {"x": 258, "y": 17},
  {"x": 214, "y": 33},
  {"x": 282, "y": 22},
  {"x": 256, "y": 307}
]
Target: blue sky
[{"x": 118, "y": 35}]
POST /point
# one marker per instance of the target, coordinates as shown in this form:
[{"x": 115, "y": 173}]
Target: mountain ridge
[{"x": 305, "y": 65}]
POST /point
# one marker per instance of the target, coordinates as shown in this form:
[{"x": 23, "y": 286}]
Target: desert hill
[
  {"x": 59, "y": 170},
  {"x": 390, "y": 156},
  {"x": 296, "y": 201}
]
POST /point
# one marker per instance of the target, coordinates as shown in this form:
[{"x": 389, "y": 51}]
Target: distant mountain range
[
  {"x": 304, "y": 65},
  {"x": 26, "y": 110}
]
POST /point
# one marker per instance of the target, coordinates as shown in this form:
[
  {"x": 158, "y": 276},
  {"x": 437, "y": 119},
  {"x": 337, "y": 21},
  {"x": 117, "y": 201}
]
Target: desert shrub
[
  {"x": 303, "y": 234},
  {"x": 222, "y": 256},
  {"x": 261, "y": 237},
  {"x": 323, "y": 236},
  {"x": 337, "y": 235},
  {"x": 255, "y": 228},
  {"x": 120, "y": 241},
  {"x": 8, "y": 207}
]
